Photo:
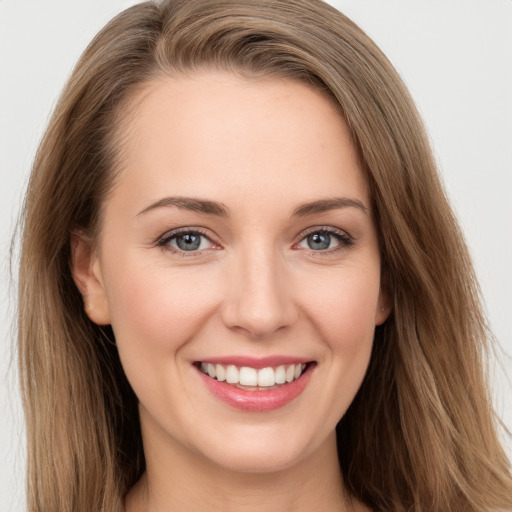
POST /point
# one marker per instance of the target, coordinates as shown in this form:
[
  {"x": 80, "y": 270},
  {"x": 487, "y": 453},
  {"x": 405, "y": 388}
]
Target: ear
[
  {"x": 86, "y": 271},
  {"x": 384, "y": 305}
]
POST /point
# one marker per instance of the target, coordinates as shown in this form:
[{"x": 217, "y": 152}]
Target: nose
[{"x": 259, "y": 300}]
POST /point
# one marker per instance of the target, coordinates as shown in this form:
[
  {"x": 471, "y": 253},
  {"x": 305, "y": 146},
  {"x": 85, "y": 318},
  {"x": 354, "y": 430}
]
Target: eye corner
[
  {"x": 188, "y": 242},
  {"x": 325, "y": 236}
]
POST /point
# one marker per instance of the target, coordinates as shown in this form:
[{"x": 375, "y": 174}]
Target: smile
[
  {"x": 255, "y": 385},
  {"x": 253, "y": 378}
]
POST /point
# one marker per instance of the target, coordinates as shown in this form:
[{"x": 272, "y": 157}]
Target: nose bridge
[{"x": 258, "y": 301}]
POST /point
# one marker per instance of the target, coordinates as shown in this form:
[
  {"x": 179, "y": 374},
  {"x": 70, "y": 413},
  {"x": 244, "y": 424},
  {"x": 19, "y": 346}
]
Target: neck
[{"x": 183, "y": 481}]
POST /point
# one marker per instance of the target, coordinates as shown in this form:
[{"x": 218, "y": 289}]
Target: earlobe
[
  {"x": 384, "y": 305},
  {"x": 86, "y": 271},
  {"x": 383, "y": 312}
]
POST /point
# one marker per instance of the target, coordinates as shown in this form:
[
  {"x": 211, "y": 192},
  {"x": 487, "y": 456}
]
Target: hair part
[{"x": 421, "y": 433}]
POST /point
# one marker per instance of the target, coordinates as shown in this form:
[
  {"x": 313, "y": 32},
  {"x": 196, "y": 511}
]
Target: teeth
[
  {"x": 247, "y": 376},
  {"x": 280, "y": 375},
  {"x": 220, "y": 372},
  {"x": 266, "y": 377},
  {"x": 232, "y": 374}
]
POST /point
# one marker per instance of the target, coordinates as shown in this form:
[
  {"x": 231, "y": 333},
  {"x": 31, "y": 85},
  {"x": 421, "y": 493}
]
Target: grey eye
[
  {"x": 323, "y": 240},
  {"x": 319, "y": 241},
  {"x": 188, "y": 241}
]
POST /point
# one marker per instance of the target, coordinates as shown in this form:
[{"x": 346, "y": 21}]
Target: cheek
[
  {"x": 155, "y": 311},
  {"x": 348, "y": 331},
  {"x": 344, "y": 309}
]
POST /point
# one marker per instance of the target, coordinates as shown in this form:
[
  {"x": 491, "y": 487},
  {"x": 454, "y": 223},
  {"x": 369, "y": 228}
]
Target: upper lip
[{"x": 256, "y": 362}]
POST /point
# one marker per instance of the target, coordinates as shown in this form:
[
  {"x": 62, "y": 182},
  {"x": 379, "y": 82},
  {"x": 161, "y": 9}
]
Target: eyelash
[
  {"x": 164, "y": 241},
  {"x": 343, "y": 238}
]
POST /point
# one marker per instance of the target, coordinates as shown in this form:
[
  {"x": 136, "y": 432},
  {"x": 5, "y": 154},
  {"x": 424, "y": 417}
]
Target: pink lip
[
  {"x": 257, "y": 401},
  {"x": 256, "y": 362}
]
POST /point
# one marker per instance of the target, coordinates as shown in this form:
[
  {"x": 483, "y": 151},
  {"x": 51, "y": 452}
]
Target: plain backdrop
[{"x": 456, "y": 58}]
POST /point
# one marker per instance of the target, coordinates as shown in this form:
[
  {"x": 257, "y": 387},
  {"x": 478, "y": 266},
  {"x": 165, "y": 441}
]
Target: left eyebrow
[
  {"x": 325, "y": 205},
  {"x": 189, "y": 203}
]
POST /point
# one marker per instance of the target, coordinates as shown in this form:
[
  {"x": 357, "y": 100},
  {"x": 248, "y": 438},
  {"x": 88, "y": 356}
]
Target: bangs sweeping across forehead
[{"x": 420, "y": 434}]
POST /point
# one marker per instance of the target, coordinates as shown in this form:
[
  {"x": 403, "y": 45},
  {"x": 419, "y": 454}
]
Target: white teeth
[
  {"x": 266, "y": 377},
  {"x": 232, "y": 374},
  {"x": 280, "y": 375},
  {"x": 221, "y": 373},
  {"x": 247, "y": 376}
]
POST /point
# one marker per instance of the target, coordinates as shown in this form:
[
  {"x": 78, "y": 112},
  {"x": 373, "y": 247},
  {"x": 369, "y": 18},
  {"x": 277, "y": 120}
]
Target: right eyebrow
[
  {"x": 325, "y": 205},
  {"x": 189, "y": 203}
]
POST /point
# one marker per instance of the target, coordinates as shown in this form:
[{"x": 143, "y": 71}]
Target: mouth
[
  {"x": 251, "y": 388},
  {"x": 253, "y": 379}
]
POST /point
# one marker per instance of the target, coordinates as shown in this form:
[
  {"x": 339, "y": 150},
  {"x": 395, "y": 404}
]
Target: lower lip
[{"x": 257, "y": 401}]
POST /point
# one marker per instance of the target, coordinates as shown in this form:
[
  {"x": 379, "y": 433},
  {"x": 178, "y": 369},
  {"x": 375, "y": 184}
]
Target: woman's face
[{"x": 239, "y": 242}]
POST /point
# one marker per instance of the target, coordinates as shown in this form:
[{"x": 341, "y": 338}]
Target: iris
[{"x": 319, "y": 241}]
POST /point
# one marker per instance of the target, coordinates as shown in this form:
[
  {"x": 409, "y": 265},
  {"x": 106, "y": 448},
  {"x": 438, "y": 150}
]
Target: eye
[
  {"x": 186, "y": 241},
  {"x": 324, "y": 240}
]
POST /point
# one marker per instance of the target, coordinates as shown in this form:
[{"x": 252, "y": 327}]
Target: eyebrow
[
  {"x": 191, "y": 204},
  {"x": 220, "y": 210},
  {"x": 325, "y": 205}
]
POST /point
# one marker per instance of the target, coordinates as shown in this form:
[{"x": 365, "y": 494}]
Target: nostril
[{"x": 258, "y": 302}]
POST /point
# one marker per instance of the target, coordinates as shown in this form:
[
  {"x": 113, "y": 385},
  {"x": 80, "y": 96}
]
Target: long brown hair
[{"x": 421, "y": 433}]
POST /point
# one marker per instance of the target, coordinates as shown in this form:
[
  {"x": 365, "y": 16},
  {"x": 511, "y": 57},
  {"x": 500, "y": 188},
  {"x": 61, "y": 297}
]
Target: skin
[{"x": 255, "y": 287}]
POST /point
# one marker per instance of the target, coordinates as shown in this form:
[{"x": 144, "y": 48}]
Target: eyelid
[
  {"x": 163, "y": 240},
  {"x": 345, "y": 239}
]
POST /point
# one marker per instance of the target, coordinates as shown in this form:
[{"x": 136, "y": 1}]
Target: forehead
[{"x": 217, "y": 133}]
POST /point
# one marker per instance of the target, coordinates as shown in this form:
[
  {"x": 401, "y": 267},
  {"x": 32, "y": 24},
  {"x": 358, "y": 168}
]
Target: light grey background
[{"x": 456, "y": 58}]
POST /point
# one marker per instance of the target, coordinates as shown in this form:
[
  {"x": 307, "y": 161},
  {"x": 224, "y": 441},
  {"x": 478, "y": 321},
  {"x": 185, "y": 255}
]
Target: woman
[{"x": 241, "y": 284}]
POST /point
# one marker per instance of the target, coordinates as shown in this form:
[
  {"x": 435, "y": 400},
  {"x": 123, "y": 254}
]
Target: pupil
[
  {"x": 188, "y": 242},
  {"x": 319, "y": 241}
]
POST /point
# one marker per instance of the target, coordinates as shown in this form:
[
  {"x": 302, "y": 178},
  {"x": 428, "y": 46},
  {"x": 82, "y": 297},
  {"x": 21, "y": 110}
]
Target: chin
[
  {"x": 263, "y": 452},
  {"x": 257, "y": 462}
]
